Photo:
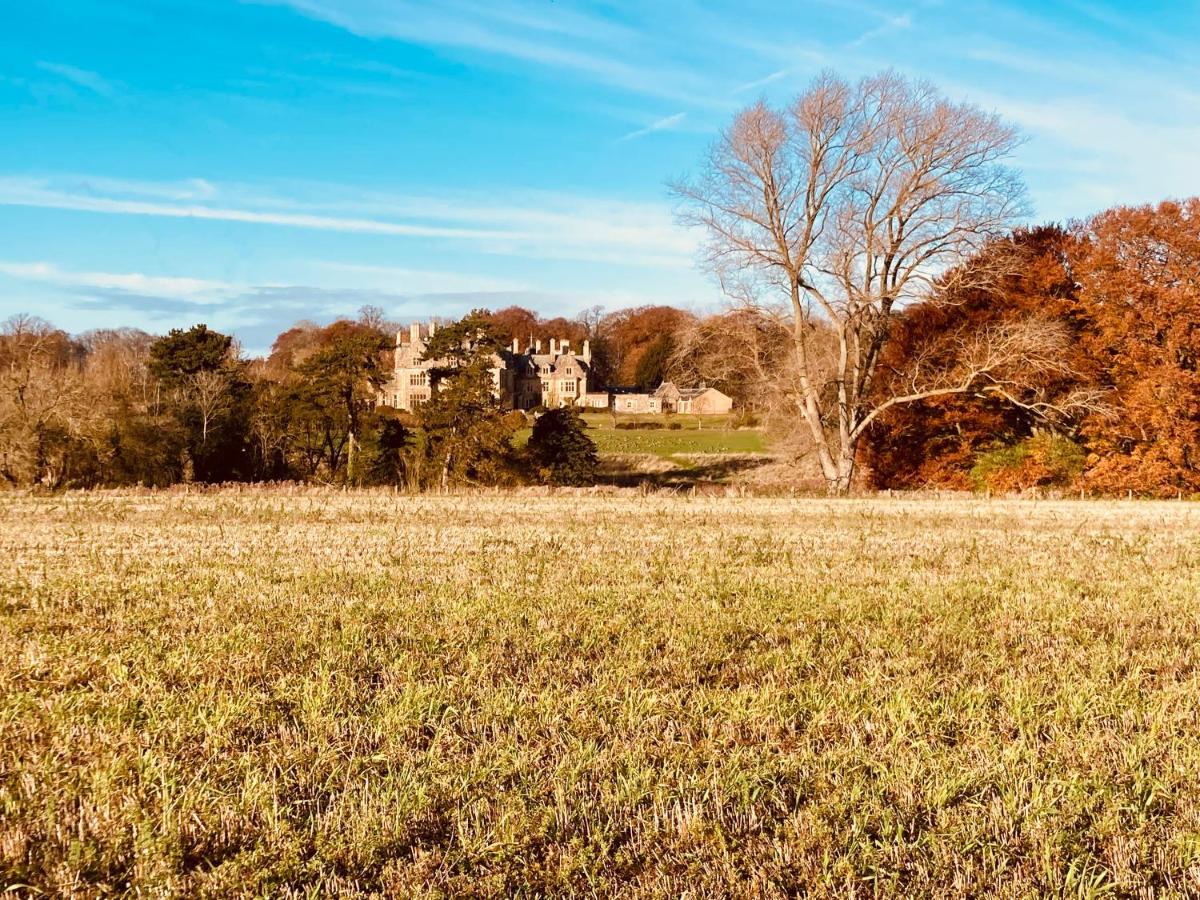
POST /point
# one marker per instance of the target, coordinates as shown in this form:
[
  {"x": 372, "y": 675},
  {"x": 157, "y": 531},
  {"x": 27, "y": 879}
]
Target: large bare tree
[{"x": 839, "y": 210}]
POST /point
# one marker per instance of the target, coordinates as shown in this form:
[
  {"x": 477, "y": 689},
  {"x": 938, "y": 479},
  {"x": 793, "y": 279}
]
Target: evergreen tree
[
  {"x": 341, "y": 376},
  {"x": 389, "y": 446},
  {"x": 205, "y": 391},
  {"x": 652, "y": 367},
  {"x": 468, "y": 438},
  {"x": 560, "y": 449},
  {"x": 181, "y": 354}
]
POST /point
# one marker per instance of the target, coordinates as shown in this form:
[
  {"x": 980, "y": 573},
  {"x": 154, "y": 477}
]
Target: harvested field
[{"x": 260, "y": 693}]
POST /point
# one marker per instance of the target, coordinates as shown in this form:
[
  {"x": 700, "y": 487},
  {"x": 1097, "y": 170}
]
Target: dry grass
[{"x": 322, "y": 694}]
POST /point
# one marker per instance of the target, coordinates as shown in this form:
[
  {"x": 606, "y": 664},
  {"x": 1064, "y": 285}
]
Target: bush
[
  {"x": 561, "y": 451},
  {"x": 675, "y": 426},
  {"x": 387, "y": 453},
  {"x": 1044, "y": 460},
  {"x": 641, "y": 426}
]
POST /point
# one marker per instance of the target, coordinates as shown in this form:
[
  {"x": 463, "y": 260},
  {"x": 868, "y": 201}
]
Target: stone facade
[
  {"x": 550, "y": 377},
  {"x": 522, "y": 379},
  {"x": 632, "y": 402},
  {"x": 700, "y": 401}
]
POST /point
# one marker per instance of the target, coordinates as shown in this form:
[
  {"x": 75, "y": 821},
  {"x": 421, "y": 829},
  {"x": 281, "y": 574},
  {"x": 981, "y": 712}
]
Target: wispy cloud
[
  {"x": 538, "y": 225},
  {"x": 667, "y": 123},
  {"x": 25, "y": 193},
  {"x": 195, "y": 289},
  {"x": 90, "y": 81},
  {"x": 552, "y": 36},
  {"x": 409, "y": 281},
  {"x": 761, "y": 82},
  {"x": 889, "y": 24},
  {"x": 256, "y": 313}
]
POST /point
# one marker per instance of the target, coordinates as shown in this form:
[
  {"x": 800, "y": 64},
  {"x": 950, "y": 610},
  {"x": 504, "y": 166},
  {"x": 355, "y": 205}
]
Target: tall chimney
[
  {"x": 553, "y": 346},
  {"x": 587, "y": 350},
  {"x": 537, "y": 346},
  {"x": 399, "y": 335},
  {"x": 414, "y": 333},
  {"x": 564, "y": 347},
  {"x": 432, "y": 327},
  {"x": 516, "y": 346}
]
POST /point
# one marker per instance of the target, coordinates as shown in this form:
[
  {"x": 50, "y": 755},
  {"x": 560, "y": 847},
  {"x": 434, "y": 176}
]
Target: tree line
[
  {"x": 890, "y": 315},
  {"x": 1088, "y": 338},
  {"x": 123, "y": 407},
  {"x": 888, "y": 319}
]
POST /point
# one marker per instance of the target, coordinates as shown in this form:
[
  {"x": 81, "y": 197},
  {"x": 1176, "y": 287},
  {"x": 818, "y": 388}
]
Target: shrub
[
  {"x": 1043, "y": 460},
  {"x": 387, "y": 452},
  {"x": 675, "y": 426},
  {"x": 561, "y": 451}
]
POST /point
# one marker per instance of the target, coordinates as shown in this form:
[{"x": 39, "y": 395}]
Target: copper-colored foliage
[
  {"x": 1126, "y": 286},
  {"x": 1140, "y": 279}
]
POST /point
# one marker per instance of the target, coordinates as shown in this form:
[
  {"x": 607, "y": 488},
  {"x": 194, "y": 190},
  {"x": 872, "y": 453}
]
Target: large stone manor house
[
  {"x": 548, "y": 377},
  {"x": 524, "y": 379}
]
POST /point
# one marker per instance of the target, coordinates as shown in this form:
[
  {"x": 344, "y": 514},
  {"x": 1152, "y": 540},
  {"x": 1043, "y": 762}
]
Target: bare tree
[
  {"x": 743, "y": 352},
  {"x": 41, "y": 400},
  {"x": 839, "y": 210},
  {"x": 209, "y": 390},
  {"x": 994, "y": 361}
]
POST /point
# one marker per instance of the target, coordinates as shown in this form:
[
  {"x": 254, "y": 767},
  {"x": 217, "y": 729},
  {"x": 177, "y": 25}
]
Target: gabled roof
[
  {"x": 693, "y": 393},
  {"x": 557, "y": 362}
]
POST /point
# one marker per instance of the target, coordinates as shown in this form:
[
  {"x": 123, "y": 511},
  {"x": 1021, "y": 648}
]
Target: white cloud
[
  {"x": 419, "y": 281},
  {"x": 531, "y": 224},
  {"x": 196, "y": 289},
  {"x": 79, "y": 77},
  {"x": 890, "y": 24},
  {"x": 553, "y": 36},
  {"x": 21, "y": 192},
  {"x": 667, "y": 123},
  {"x": 761, "y": 82}
]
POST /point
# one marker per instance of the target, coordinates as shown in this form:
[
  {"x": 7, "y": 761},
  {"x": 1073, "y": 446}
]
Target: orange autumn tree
[
  {"x": 1139, "y": 276},
  {"x": 936, "y": 442},
  {"x": 631, "y": 333}
]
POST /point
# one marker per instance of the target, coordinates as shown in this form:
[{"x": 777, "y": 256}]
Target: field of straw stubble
[{"x": 357, "y": 695}]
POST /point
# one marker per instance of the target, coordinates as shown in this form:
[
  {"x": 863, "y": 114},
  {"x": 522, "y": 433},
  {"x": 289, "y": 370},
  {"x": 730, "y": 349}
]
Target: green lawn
[
  {"x": 714, "y": 435},
  {"x": 668, "y": 444}
]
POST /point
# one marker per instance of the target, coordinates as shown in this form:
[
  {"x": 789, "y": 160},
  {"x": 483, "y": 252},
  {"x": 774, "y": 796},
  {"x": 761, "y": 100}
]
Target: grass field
[
  {"x": 339, "y": 694},
  {"x": 697, "y": 435}
]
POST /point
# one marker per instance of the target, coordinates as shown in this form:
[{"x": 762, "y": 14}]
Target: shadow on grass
[{"x": 688, "y": 473}]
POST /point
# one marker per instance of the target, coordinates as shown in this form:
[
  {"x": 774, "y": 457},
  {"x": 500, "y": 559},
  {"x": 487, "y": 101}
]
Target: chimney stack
[
  {"x": 414, "y": 333},
  {"x": 537, "y": 346},
  {"x": 553, "y": 346},
  {"x": 399, "y": 335},
  {"x": 587, "y": 350},
  {"x": 516, "y": 348},
  {"x": 432, "y": 327},
  {"x": 564, "y": 347}
]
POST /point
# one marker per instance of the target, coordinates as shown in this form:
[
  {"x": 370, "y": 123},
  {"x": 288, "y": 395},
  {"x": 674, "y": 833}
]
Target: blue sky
[{"x": 249, "y": 164}]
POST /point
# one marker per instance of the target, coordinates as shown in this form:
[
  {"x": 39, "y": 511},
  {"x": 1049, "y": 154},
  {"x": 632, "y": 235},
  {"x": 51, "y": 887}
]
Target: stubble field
[{"x": 524, "y": 695}]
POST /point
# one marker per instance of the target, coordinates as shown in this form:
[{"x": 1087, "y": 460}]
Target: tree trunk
[
  {"x": 446, "y": 461},
  {"x": 350, "y": 458},
  {"x": 844, "y": 477},
  {"x": 838, "y": 469}
]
